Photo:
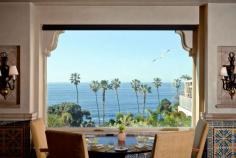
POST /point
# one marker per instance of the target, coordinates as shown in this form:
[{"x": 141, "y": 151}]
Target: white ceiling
[{"x": 125, "y": 2}]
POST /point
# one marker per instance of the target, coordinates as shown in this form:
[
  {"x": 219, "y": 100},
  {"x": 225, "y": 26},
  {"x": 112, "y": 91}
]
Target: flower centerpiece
[{"x": 121, "y": 134}]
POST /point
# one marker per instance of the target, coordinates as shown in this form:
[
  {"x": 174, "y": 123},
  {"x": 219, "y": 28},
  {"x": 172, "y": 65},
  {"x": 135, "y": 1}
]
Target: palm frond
[
  {"x": 95, "y": 86},
  {"x": 115, "y": 83},
  {"x": 157, "y": 82},
  {"x": 75, "y": 78}
]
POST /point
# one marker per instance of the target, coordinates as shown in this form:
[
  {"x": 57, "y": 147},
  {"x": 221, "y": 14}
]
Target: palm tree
[
  {"x": 115, "y": 85},
  {"x": 186, "y": 77},
  {"x": 145, "y": 89},
  {"x": 95, "y": 86},
  {"x": 105, "y": 86},
  {"x": 75, "y": 79},
  {"x": 157, "y": 83},
  {"x": 135, "y": 84},
  {"x": 177, "y": 84}
]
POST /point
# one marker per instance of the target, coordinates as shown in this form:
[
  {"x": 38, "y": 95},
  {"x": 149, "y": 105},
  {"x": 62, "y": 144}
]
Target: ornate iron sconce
[
  {"x": 7, "y": 76},
  {"x": 229, "y": 75}
]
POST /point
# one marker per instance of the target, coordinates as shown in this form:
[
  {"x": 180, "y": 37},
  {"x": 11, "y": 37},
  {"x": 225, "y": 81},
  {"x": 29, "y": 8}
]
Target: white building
[{"x": 185, "y": 100}]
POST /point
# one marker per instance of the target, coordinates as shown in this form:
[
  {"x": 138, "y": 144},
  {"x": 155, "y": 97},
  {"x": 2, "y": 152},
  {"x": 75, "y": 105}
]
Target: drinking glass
[
  {"x": 91, "y": 140},
  {"x": 140, "y": 140},
  {"x": 111, "y": 141},
  {"x": 145, "y": 140}
]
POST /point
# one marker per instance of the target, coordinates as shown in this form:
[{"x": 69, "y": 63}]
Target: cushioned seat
[
  {"x": 37, "y": 128},
  {"x": 173, "y": 144},
  {"x": 66, "y": 145}
]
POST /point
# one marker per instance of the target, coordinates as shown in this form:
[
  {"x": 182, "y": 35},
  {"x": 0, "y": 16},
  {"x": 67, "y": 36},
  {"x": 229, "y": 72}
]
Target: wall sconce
[
  {"x": 229, "y": 75},
  {"x": 7, "y": 76}
]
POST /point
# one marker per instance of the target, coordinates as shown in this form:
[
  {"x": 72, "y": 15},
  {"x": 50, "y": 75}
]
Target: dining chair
[
  {"x": 38, "y": 128},
  {"x": 176, "y": 144},
  {"x": 201, "y": 132},
  {"x": 63, "y": 144}
]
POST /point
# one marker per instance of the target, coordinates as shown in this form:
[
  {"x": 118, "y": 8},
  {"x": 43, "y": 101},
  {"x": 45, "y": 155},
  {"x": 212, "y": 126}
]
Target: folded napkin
[
  {"x": 136, "y": 147},
  {"x": 101, "y": 148}
]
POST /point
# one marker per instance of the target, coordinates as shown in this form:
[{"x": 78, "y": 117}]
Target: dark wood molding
[
  {"x": 214, "y": 116},
  {"x": 50, "y": 27},
  {"x": 18, "y": 78}
]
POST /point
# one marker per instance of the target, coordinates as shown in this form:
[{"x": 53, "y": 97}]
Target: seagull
[{"x": 162, "y": 55}]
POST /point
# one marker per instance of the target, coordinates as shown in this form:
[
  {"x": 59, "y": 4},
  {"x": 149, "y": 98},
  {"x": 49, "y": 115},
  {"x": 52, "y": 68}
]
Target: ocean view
[{"x": 66, "y": 92}]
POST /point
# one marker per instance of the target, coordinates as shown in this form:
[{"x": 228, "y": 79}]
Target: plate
[
  {"x": 139, "y": 145},
  {"x": 97, "y": 146},
  {"x": 121, "y": 148}
]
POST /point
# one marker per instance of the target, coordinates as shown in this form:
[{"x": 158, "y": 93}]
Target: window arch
[{"x": 50, "y": 39}]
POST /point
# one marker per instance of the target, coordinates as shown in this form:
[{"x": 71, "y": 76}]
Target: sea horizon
[{"x": 59, "y": 92}]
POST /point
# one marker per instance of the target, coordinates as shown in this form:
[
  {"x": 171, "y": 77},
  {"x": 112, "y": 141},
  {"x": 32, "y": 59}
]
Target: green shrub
[{"x": 68, "y": 114}]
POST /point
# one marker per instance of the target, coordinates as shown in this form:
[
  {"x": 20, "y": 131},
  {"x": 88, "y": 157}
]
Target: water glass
[
  {"x": 91, "y": 139},
  {"x": 140, "y": 140},
  {"x": 111, "y": 141}
]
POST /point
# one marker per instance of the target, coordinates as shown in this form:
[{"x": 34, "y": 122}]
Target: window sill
[{"x": 114, "y": 131}]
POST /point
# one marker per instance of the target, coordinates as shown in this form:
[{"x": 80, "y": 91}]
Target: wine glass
[
  {"x": 91, "y": 140},
  {"x": 111, "y": 142},
  {"x": 140, "y": 140}
]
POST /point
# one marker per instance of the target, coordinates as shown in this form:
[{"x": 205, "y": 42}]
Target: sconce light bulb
[
  {"x": 223, "y": 71},
  {"x": 13, "y": 71}
]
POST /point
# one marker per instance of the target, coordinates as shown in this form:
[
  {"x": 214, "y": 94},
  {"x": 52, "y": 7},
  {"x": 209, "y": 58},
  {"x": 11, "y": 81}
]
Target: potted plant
[{"x": 121, "y": 134}]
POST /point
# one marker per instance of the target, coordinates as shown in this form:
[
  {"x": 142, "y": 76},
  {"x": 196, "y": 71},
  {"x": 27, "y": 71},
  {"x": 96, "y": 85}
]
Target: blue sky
[{"x": 98, "y": 55}]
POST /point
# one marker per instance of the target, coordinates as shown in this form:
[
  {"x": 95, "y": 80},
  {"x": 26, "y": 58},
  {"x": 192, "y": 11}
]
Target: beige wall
[
  {"x": 118, "y": 14},
  {"x": 111, "y": 15},
  {"x": 14, "y": 30},
  {"x": 221, "y": 32},
  {"x": 21, "y": 23}
]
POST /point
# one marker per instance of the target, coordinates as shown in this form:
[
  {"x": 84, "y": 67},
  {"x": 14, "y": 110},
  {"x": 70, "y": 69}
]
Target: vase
[{"x": 121, "y": 138}]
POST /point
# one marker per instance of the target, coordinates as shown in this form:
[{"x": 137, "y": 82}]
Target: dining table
[{"x": 107, "y": 146}]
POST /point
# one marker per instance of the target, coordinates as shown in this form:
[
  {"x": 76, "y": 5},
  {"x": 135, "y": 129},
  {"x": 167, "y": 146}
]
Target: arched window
[{"x": 181, "y": 101}]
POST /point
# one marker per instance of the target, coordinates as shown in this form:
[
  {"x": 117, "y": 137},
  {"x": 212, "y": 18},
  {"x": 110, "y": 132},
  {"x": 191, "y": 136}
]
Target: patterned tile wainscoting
[
  {"x": 14, "y": 139},
  {"x": 221, "y": 139}
]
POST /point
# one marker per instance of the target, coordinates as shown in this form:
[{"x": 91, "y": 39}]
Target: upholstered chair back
[
  {"x": 66, "y": 144},
  {"x": 176, "y": 144},
  {"x": 201, "y": 132},
  {"x": 37, "y": 128}
]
